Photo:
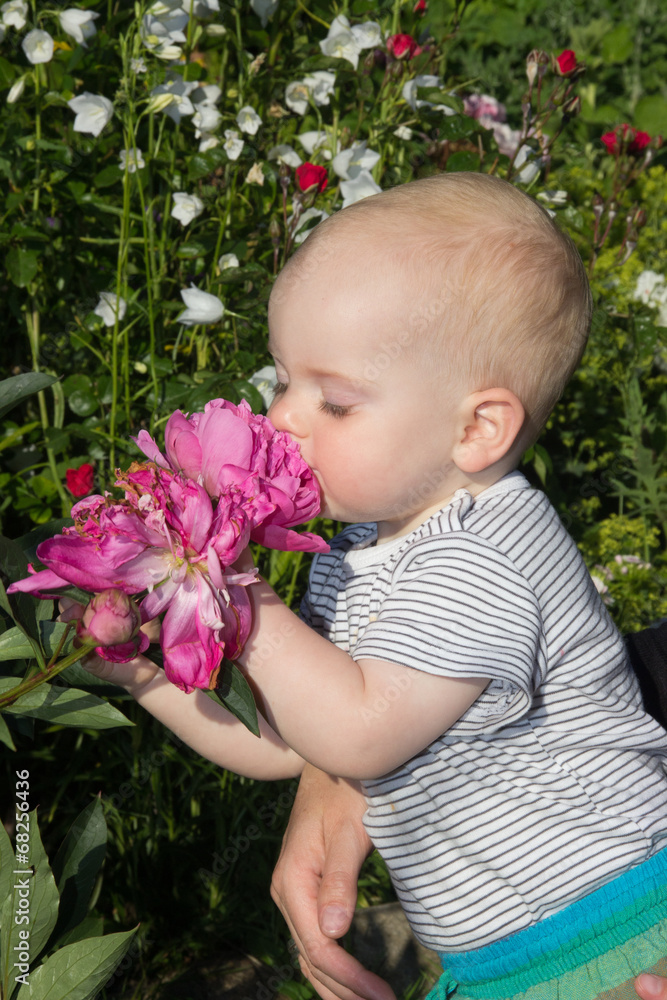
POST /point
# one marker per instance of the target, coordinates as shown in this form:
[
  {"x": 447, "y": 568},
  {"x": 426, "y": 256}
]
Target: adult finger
[{"x": 650, "y": 987}]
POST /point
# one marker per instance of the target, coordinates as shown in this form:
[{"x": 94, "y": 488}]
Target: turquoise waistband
[{"x": 618, "y": 910}]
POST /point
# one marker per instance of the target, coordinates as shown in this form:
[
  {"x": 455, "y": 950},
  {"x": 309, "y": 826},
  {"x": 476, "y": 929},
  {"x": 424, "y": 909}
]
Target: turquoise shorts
[{"x": 592, "y": 949}]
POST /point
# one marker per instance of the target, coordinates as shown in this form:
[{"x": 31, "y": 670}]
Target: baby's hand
[{"x": 131, "y": 675}]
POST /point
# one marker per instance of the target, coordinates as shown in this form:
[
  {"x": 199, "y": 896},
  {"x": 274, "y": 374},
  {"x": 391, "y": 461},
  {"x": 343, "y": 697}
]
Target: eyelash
[{"x": 332, "y": 409}]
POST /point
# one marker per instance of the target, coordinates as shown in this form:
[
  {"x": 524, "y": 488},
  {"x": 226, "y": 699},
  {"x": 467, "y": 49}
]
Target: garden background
[{"x": 159, "y": 164}]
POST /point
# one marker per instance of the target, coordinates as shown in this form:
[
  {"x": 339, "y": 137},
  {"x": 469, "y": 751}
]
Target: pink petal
[
  {"x": 273, "y": 536},
  {"x": 182, "y": 445},
  {"x": 145, "y": 443}
]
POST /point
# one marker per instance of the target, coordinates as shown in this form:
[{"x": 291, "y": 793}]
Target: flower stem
[{"x": 52, "y": 671}]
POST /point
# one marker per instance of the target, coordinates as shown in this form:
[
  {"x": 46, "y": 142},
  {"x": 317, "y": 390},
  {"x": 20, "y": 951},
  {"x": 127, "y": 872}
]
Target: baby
[{"x": 452, "y": 652}]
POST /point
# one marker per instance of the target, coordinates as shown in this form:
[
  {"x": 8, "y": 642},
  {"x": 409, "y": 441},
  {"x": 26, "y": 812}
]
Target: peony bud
[{"x": 111, "y": 619}]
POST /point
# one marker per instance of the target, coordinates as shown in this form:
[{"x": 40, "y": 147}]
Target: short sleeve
[{"x": 459, "y": 607}]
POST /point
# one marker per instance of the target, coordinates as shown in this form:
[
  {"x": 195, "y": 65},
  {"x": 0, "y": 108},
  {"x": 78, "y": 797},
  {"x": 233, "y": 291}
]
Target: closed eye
[
  {"x": 333, "y": 409},
  {"x": 279, "y": 388}
]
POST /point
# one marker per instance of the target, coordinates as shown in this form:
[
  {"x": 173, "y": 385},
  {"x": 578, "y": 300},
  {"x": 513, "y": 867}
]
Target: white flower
[
  {"x": 321, "y": 85},
  {"x": 15, "y": 14},
  {"x": 228, "y": 260},
  {"x": 265, "y": 9},
  {"x": 137, "y": 66},
  {"x": 302, "y": 231},
  {"x": 180, "y": 104},
  {"x": 131, "y": 160},
  {"x": 108, "y": 306},
  {"x": 264, "y": 381},
  {"x": 78, "y": 24},
  {"x": 202, "y": 307},
  {"x": 248, "y": 120},
  {"x": 38, "y": 46},
  {"x": 352, "y": 161},
  {"x": 532, "y": 167},
  {"x": 16, "y": 90},
  {"x": 255, "y": 175},
  {"x": 93, "y": 112},
  {"x": 206, "y": 93},
  {"x": 208, "y": 142},
  {"x": 233, "y": 146},
  {"x": 315, "y": 142},
  {"x": 341, "y": 43},
  {"x": 296, "y": 96},
  {"x": 403, "y": 132},
  {"x": 205, "y": 119},
  {"x": 285, "y": 154},
  {"x": 368, "y": 35},
  {"x": 215, "y": 30},
  {"x": 651, "y": 289},
  {"x": 424, "y": 80},
  {"x": 554, "y": 198},
  {"x": 186, "y": 207},
  {"x": 205, "y": 8},
  {"x": 163, "y": 38},
  {"x": 363, "y": 186}
]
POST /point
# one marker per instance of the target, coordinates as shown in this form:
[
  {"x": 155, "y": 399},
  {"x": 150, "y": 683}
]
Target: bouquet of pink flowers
[{"x": 227, "y": 477}]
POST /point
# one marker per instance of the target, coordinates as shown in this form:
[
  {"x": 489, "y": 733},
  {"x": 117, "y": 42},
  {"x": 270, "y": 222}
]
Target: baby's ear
[{"x": 491, "y": 421}]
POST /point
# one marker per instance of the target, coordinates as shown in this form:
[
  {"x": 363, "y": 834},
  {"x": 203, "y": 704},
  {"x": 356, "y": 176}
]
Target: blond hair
[{"x": 492, "y": 278}]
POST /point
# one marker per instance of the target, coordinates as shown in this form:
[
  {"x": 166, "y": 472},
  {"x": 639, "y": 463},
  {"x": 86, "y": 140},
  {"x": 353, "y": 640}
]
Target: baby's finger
[{"x": 69, "y": 609}]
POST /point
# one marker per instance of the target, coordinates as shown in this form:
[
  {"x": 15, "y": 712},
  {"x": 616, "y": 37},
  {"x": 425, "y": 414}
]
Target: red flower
[
  {"x": 309, "y": 175},
  {"x": 640, "y": 141},
  {"x": 625, "y": 137},
  {"x": 80, "y": 481},
  {"x": 567, "y": 62},
  {"x": 419, "y": 7},
  {"x": 610, "y": 140},
  {"x": 402, "y": 46}
]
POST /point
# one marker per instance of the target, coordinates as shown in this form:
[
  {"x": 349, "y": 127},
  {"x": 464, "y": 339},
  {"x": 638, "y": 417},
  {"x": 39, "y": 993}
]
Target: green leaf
[
  {"x": 6, "y": 738},
  {"x": 22, "y": 608},
  {"x": 618, "y": 44},
  {"x": 78, "y": 971},
  {"x": 14, "y": 390},
  {"x": 22, "y": 265},
  {"x": 44, "y": 895},
  {"x": 235, "y": 694},
  {"x": 651, "y": 115},
  {"x": 64, "y": 706},
  {"x": 14, "y": 645},
  {"x": 7, "y": 863},
  {"x": 9, "y": 929},
  {"x": 77, "y": 864},
  {"x": 7, "y": 74}
]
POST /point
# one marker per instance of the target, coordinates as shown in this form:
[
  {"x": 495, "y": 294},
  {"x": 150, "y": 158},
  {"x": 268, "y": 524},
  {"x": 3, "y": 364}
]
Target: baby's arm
[
  {"x": 202, "y": 723},
  {"x": 356, "y": 719}
]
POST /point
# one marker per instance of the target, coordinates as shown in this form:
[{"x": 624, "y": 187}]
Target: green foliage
[{"x": 46, "y": 948}]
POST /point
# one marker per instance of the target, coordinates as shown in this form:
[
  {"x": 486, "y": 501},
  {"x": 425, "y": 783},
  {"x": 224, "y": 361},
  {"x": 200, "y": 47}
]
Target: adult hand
[
  {"x": 650, "y": 987},
  {"x": 315, "y": 884}
]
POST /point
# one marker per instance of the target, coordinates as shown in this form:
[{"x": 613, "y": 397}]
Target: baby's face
[{"x": 374, "y": 423}]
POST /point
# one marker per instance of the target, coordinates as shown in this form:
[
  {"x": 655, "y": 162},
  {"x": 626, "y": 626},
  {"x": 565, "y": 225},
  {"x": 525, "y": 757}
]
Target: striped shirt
[{"x": 554, "y": 781}]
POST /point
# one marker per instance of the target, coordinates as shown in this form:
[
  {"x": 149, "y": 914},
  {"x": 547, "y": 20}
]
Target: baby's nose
[{"x": 285, "y": 416}]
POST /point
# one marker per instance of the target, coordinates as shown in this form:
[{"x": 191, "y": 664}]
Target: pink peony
[
  {"x": 166, "y": 538},
  {"x": 229, "y": 446},
  {"x": 485, "y": 108}
]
